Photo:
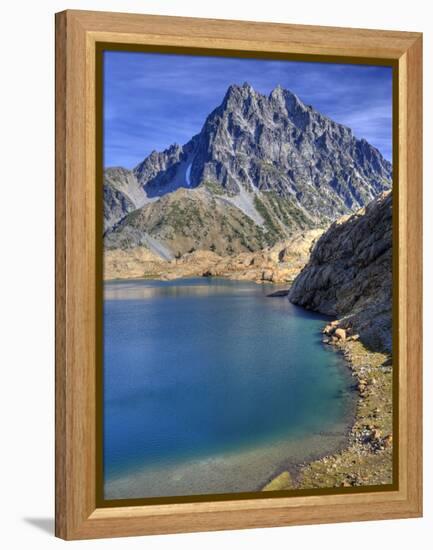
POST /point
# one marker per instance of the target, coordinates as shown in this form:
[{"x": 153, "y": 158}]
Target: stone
[
  {"x": 268, "y": 275},
  {"x": 346, "y": 483},
  {"x": 387, "y": 441},
  {"x": 362, "y": 385},
  {"x": 340, "y": 333},
  {"x": 376, "y": 434}
]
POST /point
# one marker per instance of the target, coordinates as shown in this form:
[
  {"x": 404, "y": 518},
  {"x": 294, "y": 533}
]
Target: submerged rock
[
  {"x": 278, "y": 293},
  {"x": 283, "y": 482}
]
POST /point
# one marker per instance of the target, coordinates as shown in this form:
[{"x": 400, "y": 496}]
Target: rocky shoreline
[
  {"x": 367, "y": 458},
  {"x": 349, "y": 275},
  {"x": 280, "y": 263},
  {"x": 346, "y": 272}
]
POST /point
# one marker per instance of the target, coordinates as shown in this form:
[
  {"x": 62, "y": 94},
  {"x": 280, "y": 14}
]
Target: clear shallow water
[{"x": 210, "y": 386}]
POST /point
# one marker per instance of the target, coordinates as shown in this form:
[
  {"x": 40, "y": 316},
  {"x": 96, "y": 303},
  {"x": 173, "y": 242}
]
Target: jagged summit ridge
[{"x": 273, "y": 142}]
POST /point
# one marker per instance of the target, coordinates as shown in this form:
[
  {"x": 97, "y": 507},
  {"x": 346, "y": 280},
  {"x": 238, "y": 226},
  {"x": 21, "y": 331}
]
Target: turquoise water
[{"x": 205, "y": 368}]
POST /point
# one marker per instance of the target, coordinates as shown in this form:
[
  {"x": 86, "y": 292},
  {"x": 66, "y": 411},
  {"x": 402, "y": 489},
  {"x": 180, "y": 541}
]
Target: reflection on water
[{"x": 144, "y": 289}]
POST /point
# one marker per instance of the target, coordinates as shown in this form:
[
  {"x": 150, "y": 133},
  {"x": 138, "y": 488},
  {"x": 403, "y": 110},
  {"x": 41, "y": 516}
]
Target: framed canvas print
[{"x": 238, "y": 274}]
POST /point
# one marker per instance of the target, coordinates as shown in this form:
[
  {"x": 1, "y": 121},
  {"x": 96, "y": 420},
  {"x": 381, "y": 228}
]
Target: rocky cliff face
[
  {"x": 122, "y": 194},
  {"x": 281, "y": 163},
  {"x": 277, "y": 143},
  {"x": 349, "y": 274}
]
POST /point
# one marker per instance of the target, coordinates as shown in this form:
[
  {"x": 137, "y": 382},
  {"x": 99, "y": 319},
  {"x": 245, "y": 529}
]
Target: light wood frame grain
[{"x": 77, "y": 36}]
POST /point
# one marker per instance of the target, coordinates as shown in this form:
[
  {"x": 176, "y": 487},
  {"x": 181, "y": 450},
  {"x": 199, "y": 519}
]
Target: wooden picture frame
[{"x": 78, "y": 266}]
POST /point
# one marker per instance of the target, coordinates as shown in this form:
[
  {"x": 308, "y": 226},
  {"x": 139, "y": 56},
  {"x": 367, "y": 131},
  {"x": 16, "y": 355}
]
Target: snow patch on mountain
[{"x": 188, "y": 175}]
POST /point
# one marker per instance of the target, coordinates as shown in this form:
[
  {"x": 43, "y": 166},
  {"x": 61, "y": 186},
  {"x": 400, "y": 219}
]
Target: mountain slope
[
  {"x": 187, "y": 220},
  {"x": 349, "y": 273}
]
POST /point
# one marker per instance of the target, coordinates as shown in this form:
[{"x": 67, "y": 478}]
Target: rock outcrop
[
  {"x": 349, "y": 275},
  {"x": 279, "y": 264},
  {"x": 122, "y": 194}
]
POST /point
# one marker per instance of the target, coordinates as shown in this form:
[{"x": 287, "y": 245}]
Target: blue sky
[{"x": 154, "y": 100}]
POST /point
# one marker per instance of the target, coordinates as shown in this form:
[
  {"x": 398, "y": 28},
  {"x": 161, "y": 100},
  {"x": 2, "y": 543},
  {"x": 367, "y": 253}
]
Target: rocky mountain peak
[
  {"x": 237, "y": 90},
  {"x": 255, "y": 148},
  {"x": 237, "y": 98},
  {"x": 281, "y": 97}
]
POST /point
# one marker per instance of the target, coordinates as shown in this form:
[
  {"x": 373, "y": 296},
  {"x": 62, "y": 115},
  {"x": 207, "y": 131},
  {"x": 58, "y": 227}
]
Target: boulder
[
  {"x": 267, "y": 275},
  {"x": 376, "y": 434},
  {"x": 340, "y": 333},
  {"x": 387, "y": 441}
]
